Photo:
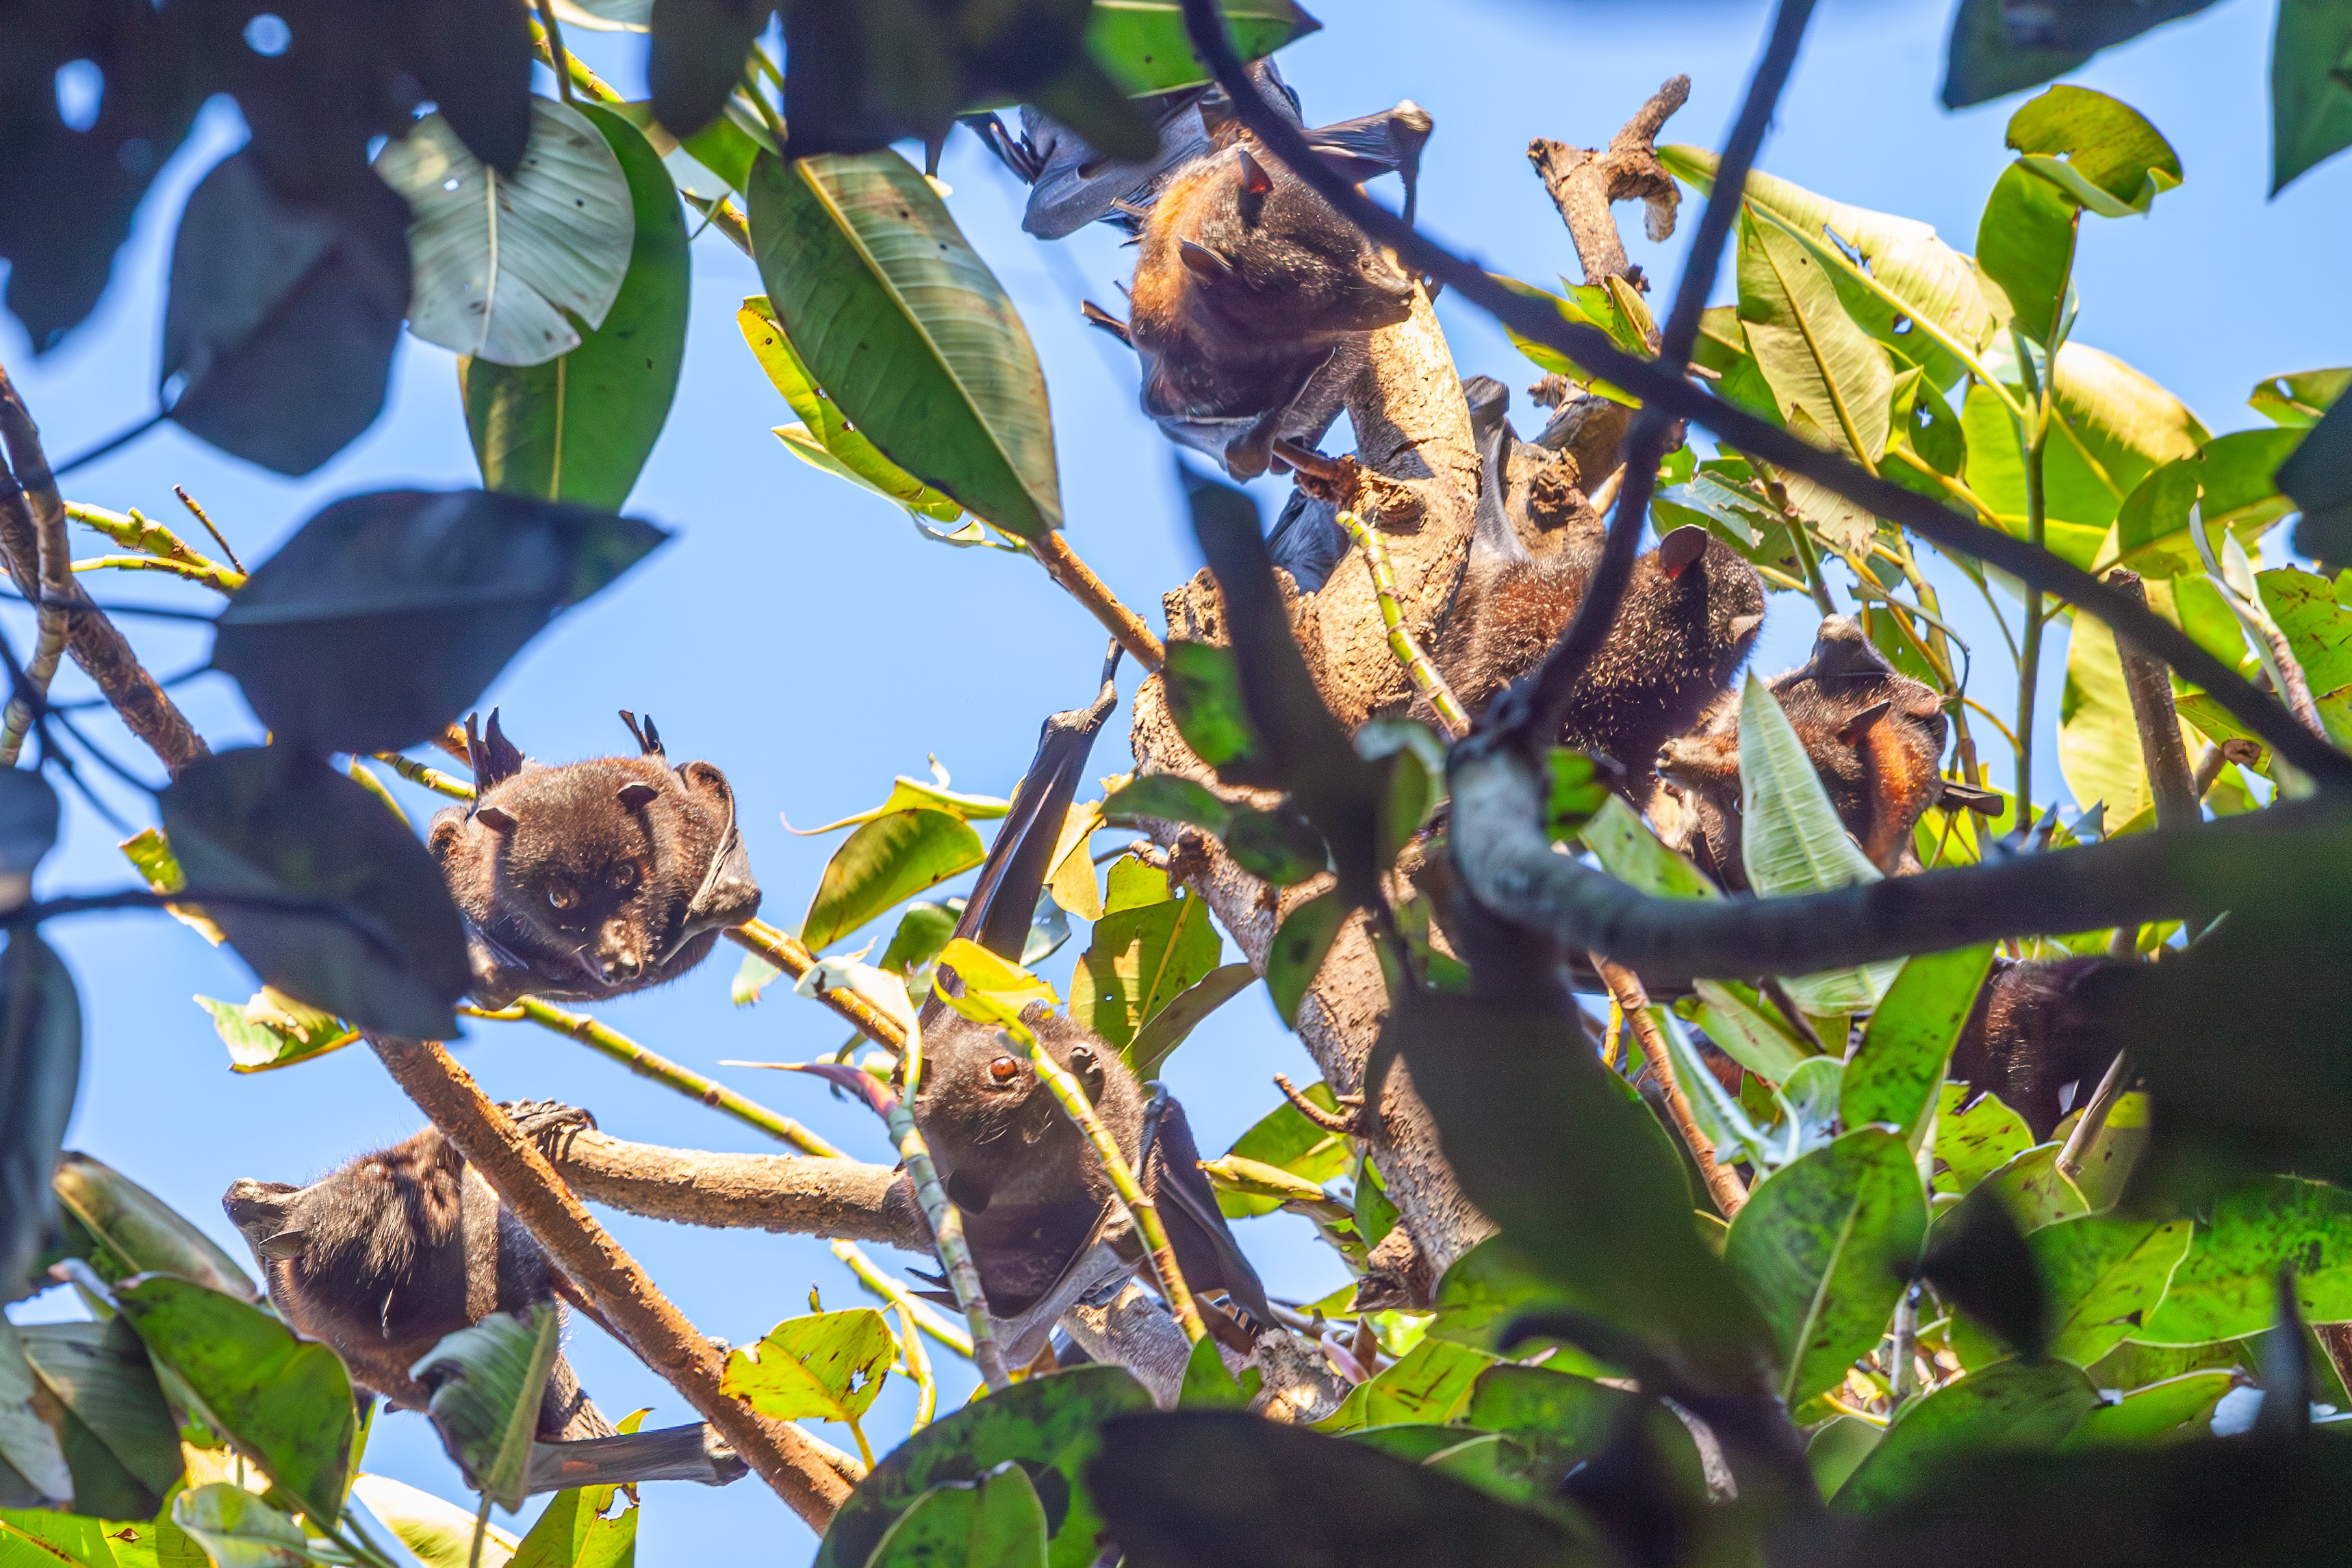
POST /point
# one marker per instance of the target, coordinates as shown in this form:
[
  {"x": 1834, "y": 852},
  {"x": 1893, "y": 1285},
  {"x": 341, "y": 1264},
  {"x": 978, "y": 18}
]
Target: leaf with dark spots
[
  {"x": 1204, "y": 697},
  {"x": 282, "y": 316},
  {"x": 40, "y": 1066},
  {"x": 386, "y": 616},
  {"x": 1220, "y": 1488},
  {"x": 1300, "y": 945},
  {"x": 386, "y": 947}
]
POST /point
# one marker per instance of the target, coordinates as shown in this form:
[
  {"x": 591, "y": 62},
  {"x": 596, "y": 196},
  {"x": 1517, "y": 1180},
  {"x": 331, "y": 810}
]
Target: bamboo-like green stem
[
  {"x": 608, "y": 1041},
  {"x": 2029, "y": 664},
  {"x": 365, "y": 777},
  {"x": 204, "y": 517},
  {"x": 933, "y": 1322},
  {"x": 1140, "y": 1206},
  {"x": 955, "y": 1253},
  {"x": 431, "y": 779},
  {"x": 1423, "y": 675},
  {"x": 792, "y": 957},
  {"x": 210, "y": 574},
  {"x": 133, "y": 530}
]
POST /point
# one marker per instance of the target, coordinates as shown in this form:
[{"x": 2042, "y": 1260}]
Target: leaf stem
[
  {"x": 431, "y": 779},
  {"x": 947, "y": 1231},
  {"x": 1417, "y": 667}
]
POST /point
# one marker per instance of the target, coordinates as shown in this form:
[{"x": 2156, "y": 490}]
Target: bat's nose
[{"x": 619, "y": 958}]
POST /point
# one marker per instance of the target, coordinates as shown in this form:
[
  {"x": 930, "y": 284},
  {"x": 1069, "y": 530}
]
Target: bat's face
[
  {"x": 1294, "y": 262},
  {"x": 983, "y": 1102}
]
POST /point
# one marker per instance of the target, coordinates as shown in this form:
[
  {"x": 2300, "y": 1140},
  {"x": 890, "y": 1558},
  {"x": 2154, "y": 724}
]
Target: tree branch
[
  {"x": 2177, "y": 799},
  {"x": 95, "y": 644},
  {"x": 1079, "y": 580},
  {"x": 626, "y": 1299},
  {"x": 1585, "y": 184},
  {"x": 796, "y": 1195},
  {"x": 1723, "y": 1182},
  {"x": 1593, "y": 349}
]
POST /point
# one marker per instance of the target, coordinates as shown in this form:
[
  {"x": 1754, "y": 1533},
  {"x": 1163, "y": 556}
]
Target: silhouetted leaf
[
  {"x": 276, "y": 824},
  {"x": 40, "y": 1065},
  {"x": 902, "y": 323},
  {"x": 501, "y": 265},
  {"x": 882, "y": 865},
  {"x": 140, "y": 1232},
  {"x": 580, "y": 427},
  {"x": 2319, "y": 477},
  {"x": 1278, "y": 845},
  {"x": 386, "y": 616},
  {"x": 2009, "y": 1405},
  {"x": 1168, "y": 797},
  {"x": 1217, "y": 1488},
  {"x": 2311, "y": 104},
  {"x": 1978, "y": 1262},
  {"x": 2000, "y": 46},
  {"x": 282, "y": 318},
  {"x": 284, "y": 1402},
  {"x": 1300, "y": 944},
  {"x": 1049, "y": 1424},
  {"x": 486, "y": 1382},
  {"x": 699, "y": 49}
]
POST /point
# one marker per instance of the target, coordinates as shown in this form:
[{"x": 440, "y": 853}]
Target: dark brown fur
[
  {"x": 594, "y": 878},
  {"x": 2034, "y": 1031},
  {"x": 1879, "y": 767},
  {"x": 1247, "y": 285}
]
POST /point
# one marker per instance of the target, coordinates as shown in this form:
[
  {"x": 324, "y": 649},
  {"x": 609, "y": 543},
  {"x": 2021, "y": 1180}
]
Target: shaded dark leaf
[
  {"x": 275, "y": 823},
  {"x": 1300, "y": 944},
  {"x": 2319, "y": 476},
  {"x": 283, "y": 317},
  {"x": 486, "y": 1382},
  {"x": 101, "y": 1372},
  {"x": 1280, "y": 845},
  {"x": 2000, "y": 46},
  {"x": 1204, "y": 697},
  {"x": 1217, "y": 1488},
  {"x": 28, "y": 824},
  {"x": 2009, "y": 1405},
  {"x": 1049, "y": 1424},
  {"x": 2311, "y": 101},
  {"x": 1978, "y": 1262},
  {"x": 284, "y": 1402},
  {"x": 698, "y": 54},
  {"x": 1166, "y": 796},
  {"x": 473, "y": 58},
  {"x": 386, "y": 616},
  {"x": 40, "y": 1065}
]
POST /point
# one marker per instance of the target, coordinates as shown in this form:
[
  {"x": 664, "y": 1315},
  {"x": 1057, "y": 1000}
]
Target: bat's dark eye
[
  {"x": 1004, "y": 1070},
  {"x": 624, "y": 876},
  {"x": 561, "y": 897}
]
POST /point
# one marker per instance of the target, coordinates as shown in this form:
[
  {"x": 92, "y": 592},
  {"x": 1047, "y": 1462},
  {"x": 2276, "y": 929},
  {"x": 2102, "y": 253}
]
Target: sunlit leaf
[
  {"x": 141, "y": 1231},
  {"x": 1895, "y": 1072},
  {"x": 2105, "y": 1273},
  {"x": 885, "y": 861},
  {"x": 439, "y": 1533},
  {"x": 1142, "y": 959},
  {"x": 238, "y": 1529},
  {"x": 827, "y": 1365},
  {"x": 2100, "y": 150},
  {"x": 1168, "y": 1028},
  {"x": 2224, "y": 1287}
]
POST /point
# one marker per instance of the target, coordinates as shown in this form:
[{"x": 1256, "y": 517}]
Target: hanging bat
[
  {"x": 590, "y": 879},
  {"x": 1875, "y": 738},
  {"x": 1045, "y": 1229},
  {"x": 385, "y": 1256},
  {"x": 2034, "y": 1031}
]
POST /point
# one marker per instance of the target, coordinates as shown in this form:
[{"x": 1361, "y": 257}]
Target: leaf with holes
[{"x": 827, "y": 1365}]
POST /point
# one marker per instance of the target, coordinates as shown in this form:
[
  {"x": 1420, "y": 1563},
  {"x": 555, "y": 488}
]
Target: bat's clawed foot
[
  {"x": 543, "y": 1121},
  {"x": 1351, "y": 1119}
]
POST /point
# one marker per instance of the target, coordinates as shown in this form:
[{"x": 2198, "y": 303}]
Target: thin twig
[
  {"x": 1348, "y": 1122},
  {"x": 1078, "y": 580},
  {"x": 605, "y": 1274},
  {"x": 1593, "y": 349},
  {"x": 2095, "y": 1111},
  {"x": 1417, "y": 667},
  {"x": 790, "y": 954},
  {"x": 219, "y": 539},
  {"x": 1722, "y": 1182}
]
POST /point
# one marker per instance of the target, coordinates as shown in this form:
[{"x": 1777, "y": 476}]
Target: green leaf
[
  {"x": 2298, "y": 401},
  {"x": 274, "y": 1030},
  {"x": 1563, "y": 1418},
  {"x": 1287, "y": 1141},
  {"x": 821, "y": 421},
  {"x": 2034, "y": 1190},
  {"x": 2098, "y": 149},
  {"x": 580, "y": 426},
  {"x": 1734, "y": 1017},
  {"x": 487, "y": 1381},
  {"x": 284, "y": 1402},
  {"x": 1988, "y": 60},
  {"x": 2025, "y": 243},
  {"x": 1715, "y": 1109},
  {"x": 828, "y": 1364},
  {"x": 1893, "y": 1075},
  {"x": 1628, "y": 850},
  {"x": 2104, "y": 1274},
  {"x": 1974, "y": 1142},
  {"x": 1792, "y": 841},
  {"x": 36, "y": 1538},
  {"x": 573, "y": 1532},
  {"x": 1431, "y": 1382},
  {"x": 141, "y": 1231},
  {"x": 1050, "y": 1422},
  {"x": 1204, "y": 697},
  {"x": 2311, "y": 103},
  {"x": 753, "y": 975},
  {"x": 1583, "y": 308},
  {"x": 122, "y": 1444},
  {"x": 1209, "y": 1386},
  {"x": 1142, "y": 44},
  {"x": 1166, "y": 798},
  {"x": 882, "y": 865},
  {"x": 1186, "y": 1011},
  {"x": 1823, "y": 1248},
  {"x": 1300, "y": 944},
  {"x": 237, "y": 1530},
  {"x": 503, "y": 263},
  {"x": 2009, "y": 1405},
  {"x": 921, "y": 795},
  {"x": 2177, "y": 1407},
  {"x": 149, "y": 853},
  {"x": 902, "y": 323},
  {"x": 2318, "y": 628},
  {"x": 1143, "y": 958},
  {"x": 2231, "y": 480},
  {"x": 994, "y": 1523},
  {"x": 2224, "y": 1287},
  {"x": 439, "y": 1533},
  {"x": 1279, "y": 846},
  {"x": 40, "y": 1066},
  {"x": 29, "y": 1445}
]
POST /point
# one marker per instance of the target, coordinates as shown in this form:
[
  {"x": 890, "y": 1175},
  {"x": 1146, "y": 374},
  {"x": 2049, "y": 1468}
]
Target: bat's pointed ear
[
  {"x": 1203, "y": 263},
  {"x": 637, "y": 796},
  {"x": 1255, "y": 181},
  {"x": 287, "y": 1243},
  {"x": 1851, "y": 732},
  {"x": 643, "y": 732},
  {"x": 494, "y": 818},
  {"x": 1681, "y": 547}
]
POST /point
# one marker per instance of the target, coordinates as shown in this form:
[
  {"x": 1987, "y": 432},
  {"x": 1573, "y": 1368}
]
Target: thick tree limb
[
  {"x": 1585, "y": 184},
  {"x": 849, "y": 1200},
  {"x": 1593, "y": 349},
  {"x": 1509, "y": 866},
  {"x": 97, "y": 644},
  {"x": 2177, "y": 799},
  {"x": 628, "y": 1301}
]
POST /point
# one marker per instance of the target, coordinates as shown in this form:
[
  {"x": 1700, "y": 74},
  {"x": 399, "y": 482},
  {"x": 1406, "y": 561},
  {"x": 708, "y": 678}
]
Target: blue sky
[{"x": 801, "y": 635}]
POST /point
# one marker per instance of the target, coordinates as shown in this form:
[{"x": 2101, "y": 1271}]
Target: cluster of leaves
[{"x": 186, "y": 1420}]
